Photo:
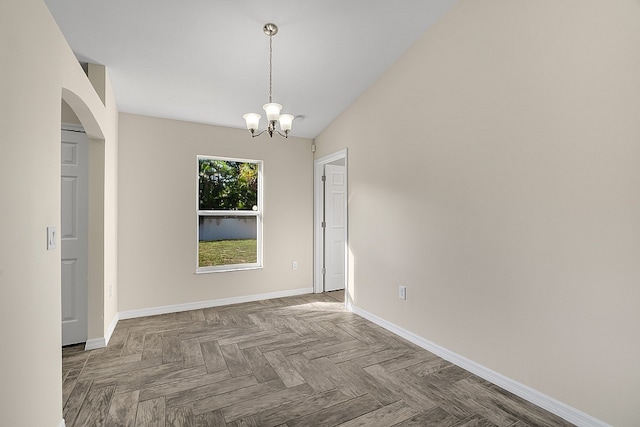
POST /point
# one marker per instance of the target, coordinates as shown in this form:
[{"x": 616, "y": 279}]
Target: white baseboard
[
  {"x": 94, "y": 343},
  {"x": 112, "y": 327},
  {"x": 548, "y": 403},
  {"x": 102, "y": 342},
  {"x": 152, "y": 311}
]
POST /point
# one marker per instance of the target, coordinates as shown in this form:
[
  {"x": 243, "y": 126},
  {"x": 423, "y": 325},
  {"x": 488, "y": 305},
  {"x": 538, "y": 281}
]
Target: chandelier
[{"x": 271, "y": 109}]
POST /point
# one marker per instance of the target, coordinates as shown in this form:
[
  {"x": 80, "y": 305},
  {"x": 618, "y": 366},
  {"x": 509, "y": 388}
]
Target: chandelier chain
[{"x": 270, "y": 67}]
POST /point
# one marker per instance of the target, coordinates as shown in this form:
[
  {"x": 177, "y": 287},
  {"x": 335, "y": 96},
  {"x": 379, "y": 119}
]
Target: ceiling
[{"x": 207, "y": 61}]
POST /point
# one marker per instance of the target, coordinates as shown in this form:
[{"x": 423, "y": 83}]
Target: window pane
[
  {"x": 227, "y": 185},
  {"x": 225, "y": 240}
]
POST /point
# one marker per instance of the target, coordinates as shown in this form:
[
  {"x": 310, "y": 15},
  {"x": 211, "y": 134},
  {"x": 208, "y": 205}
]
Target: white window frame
[{"x": 258, "y": 214}]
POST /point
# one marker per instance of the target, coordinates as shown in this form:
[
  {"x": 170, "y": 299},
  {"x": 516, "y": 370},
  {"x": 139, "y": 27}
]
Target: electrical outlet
[
  {"x": 294, "y": 265},
  {"x": 402, "y": 292}
]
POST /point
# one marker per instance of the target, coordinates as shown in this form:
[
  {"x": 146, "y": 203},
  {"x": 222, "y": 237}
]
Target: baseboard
[
  {"x": 102, "y": 342},
  {"x": 62, "y": 424},
  {"x": 152, "y": 311},
  {"x": 548, "y": 403},
  {"x": 94, "y": 343},
  {"x": 112, "y": 327}
]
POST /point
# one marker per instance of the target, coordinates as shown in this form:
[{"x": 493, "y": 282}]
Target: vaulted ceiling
[{"x": 207, "y": 61}]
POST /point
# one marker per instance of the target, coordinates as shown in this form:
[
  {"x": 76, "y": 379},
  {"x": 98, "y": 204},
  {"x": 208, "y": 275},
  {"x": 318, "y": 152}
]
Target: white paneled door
[
  {"x": 74, "y": 236},
  {"x": 335, "y": 230}
]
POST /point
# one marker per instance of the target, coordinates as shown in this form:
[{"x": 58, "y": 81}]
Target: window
[{"x": 229, "y": 214}]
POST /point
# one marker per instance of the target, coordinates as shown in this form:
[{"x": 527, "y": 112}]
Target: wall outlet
[
  {"x": 294, "y": 265},
  {"x": 402, "y": 292}
]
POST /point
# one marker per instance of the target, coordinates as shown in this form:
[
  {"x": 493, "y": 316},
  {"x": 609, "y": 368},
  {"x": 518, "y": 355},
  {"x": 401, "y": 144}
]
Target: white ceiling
[{"x": 207, "y": 61}]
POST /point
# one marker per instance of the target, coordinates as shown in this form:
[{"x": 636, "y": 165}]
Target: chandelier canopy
[{"x": 271, "y": 109}]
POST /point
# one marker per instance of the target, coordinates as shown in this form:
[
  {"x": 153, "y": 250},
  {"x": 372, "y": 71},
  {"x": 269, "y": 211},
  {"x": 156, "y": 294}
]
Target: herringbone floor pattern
[{"x": 299, "y": 361}]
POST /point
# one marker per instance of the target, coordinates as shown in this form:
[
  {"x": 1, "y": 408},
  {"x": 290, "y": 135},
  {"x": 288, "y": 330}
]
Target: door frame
[{"x": 318, "y": 209}]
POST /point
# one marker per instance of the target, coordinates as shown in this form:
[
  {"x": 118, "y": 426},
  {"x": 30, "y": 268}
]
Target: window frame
[{"x": 258, "y": 214}]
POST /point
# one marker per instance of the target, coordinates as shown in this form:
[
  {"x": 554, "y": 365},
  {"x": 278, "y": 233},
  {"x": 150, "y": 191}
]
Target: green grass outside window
[{"x": 226, "y": 252}]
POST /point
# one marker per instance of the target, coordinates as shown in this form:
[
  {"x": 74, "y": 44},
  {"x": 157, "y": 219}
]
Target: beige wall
[
  {"x": 504, "y": 191},
  {"x": 37, "y": 68},
  {"x": 157, "y": 214}
]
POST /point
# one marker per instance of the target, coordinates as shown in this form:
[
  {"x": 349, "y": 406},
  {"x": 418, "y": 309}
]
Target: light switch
[{"x": 52, "y": 235}]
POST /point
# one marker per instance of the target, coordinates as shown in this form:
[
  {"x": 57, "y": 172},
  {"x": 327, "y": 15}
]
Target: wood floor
[{"x": 298, "y": 361}]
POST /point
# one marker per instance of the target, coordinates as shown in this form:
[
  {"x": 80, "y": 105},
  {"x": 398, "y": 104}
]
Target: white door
[
  {"x": 335, "y": 230},
  {"x": 74, "y": 236}
]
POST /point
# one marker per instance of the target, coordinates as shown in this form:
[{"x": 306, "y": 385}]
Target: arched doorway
[{"x": 76, "y": 116}]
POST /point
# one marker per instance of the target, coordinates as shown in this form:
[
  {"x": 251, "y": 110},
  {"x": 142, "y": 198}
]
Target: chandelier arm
[
  {"x": 271, "y": 132},
  {"x": 255, "y": 135}
]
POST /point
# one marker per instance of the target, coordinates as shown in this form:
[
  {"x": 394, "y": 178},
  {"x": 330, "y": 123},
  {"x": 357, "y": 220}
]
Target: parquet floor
[{"x": 298, "y": 361}]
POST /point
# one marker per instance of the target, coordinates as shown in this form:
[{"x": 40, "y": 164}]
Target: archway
[{"x": 76, "y": 111}]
